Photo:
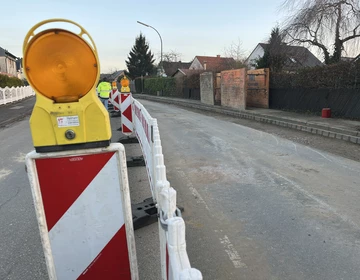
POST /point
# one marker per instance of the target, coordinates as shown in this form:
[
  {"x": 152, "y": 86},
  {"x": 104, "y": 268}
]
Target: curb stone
[{"x": 326, "y": 131}]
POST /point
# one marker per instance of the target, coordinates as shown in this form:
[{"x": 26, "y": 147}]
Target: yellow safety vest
[{"x": 104, "y": 89}]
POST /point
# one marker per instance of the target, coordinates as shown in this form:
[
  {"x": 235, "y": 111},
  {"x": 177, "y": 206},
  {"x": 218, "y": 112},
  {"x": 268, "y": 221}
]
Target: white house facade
[{"x": 257, "y": 53}]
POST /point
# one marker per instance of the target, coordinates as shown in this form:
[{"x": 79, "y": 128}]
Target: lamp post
[{"x": 161, "y": 53}]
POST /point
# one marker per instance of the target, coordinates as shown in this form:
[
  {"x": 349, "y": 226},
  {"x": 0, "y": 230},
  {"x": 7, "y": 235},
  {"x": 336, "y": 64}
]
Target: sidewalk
[
  {"x": 343, "y": 129},
  {"x": 16, "y": 111}
]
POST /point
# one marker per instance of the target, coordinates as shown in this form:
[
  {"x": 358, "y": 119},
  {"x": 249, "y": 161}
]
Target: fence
[
  {"x": 343, "y": 102},
  {"x": 9, "y": 95},
  {"x": 175, "y": 264}
]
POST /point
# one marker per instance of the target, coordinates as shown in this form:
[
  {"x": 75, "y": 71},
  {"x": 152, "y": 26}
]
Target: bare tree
[
  {"x": 171, "y": 56},
  {"x": 236, "y": 51},
  {"x": 329, "y": 25}
]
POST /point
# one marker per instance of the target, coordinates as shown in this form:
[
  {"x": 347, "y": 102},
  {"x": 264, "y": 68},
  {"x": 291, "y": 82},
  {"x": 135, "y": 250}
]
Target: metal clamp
[{"x": 163, "y": 221}]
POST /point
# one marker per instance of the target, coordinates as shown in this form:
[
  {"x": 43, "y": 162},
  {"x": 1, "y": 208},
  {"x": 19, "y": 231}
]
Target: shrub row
[
  {"x": 336, "y": 76},
  {"x": 166, "y": 85},
  {"x": 6, "y": 81}
]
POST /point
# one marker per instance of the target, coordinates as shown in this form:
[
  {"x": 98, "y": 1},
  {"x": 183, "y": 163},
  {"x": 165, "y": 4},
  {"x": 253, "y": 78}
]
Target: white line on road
[
  {"x": 322, "y": 203},
  {"x": 295, "y": 147},
  {"x": 16, "y": 107},
  {"x": 277, "y": 141},
  {"x": 20, "y": 158},
  {"x": 232, "y": 253},
  {"x": 229, "y": 247},
  {"x": 4, "y": 173},
  {"x": 194, "y": 191},
  {"x": 321, "y": 154}
]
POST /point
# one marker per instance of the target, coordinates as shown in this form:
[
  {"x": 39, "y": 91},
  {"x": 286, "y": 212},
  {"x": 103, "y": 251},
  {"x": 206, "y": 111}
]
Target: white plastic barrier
[
  {"x": 175, "y": 264},
  {"x": 9, "y": 95}
]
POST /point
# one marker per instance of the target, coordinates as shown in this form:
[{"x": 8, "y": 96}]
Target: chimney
[
  {"x": 205, "y": 65},
  {"x": 218, "y": 56}
]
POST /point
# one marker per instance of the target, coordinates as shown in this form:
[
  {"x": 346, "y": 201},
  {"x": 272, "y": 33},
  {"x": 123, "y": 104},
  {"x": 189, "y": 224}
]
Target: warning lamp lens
[
  {"x": 124, "y": 82},
  {"x": 60, "y": 65}
]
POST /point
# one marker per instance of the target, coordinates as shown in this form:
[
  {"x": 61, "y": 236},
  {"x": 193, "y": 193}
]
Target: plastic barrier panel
[
  {"x": 175, "y": 264},
  {"x": 83, "y": 209},
  {"x": 143, "y": 126},
  {"x": 114, "y": 99},
  {"x": 126, "y": 113}
]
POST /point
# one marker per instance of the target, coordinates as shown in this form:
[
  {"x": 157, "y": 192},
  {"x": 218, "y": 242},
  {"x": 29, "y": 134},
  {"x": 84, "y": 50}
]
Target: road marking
[
  {"x": 194, "y": 191},
  {"x": 295, "y": 147},
  {"x": 225, "y": 241},
  {"x": 334, "y": 160},
  {"x": 277, "y": 141},
  {"x": 231, "y": 252},
  {"x": 4, "y": 173},
  {"x": 344, "y": 218},
  {"x": 319, "y": 154},
  {"x": 20, "y": 157},
  {"x": 16, "y": 107}
]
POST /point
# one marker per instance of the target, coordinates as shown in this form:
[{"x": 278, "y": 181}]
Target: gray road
[
  {"x": 257, "y": 206},
  {"x": 21, "y": 256}
]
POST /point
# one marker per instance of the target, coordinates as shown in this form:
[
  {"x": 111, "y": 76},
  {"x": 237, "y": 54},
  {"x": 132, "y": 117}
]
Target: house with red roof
[{"x": 212, "y": 63}]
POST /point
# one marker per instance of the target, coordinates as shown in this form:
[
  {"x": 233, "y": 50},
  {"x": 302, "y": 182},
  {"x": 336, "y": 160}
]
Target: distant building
[
  {"x": 20, "y": 69},
  {"x": 297, "y": 57},
  {"x": 212, "y": 63},
  {"x": 171, "y": 67},
  {"x": 113, "y": 76},
  {"x": 186, "y": 72},
  {"x": 7, "y": 63}
]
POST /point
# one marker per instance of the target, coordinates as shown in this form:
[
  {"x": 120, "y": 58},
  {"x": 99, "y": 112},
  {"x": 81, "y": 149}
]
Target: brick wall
[
  {"x": 258, "y": 88},
  {"x": 233, "y": 88}
]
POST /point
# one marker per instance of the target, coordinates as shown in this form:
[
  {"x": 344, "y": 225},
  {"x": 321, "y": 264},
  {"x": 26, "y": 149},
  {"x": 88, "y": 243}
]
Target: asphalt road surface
[{"x": 257, "y": 205}]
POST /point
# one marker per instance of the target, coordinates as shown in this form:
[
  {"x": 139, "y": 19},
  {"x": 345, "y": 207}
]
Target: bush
[
  {"x": 166, "y": 85},
  {"x": 6, "y": 81},
  {"x": 335, "y": 76}
]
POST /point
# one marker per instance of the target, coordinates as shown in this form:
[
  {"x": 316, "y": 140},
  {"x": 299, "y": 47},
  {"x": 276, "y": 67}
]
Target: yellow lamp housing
[
  {"x": 125, "y": 84},
  {"x": 63, "y": 69}
]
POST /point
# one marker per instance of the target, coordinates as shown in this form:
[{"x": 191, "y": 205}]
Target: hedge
[
  {"x": 6, "y": 81},
  {"x": 335, "y": 76},
  {"x": 166, "y": 85}
]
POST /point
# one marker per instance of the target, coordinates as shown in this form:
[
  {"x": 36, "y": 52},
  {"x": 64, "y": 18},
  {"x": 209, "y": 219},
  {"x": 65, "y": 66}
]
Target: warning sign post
[{"x": 83, "y": 209}]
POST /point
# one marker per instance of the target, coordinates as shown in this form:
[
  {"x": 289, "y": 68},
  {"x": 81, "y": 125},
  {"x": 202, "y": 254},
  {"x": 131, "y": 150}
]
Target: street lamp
[{"x": 160, "y": 40}]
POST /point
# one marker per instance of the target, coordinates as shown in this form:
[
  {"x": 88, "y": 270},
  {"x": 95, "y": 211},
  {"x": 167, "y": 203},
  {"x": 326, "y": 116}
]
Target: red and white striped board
[
  {"x": 126, "y": 113},
  {"x": 114, "y": 99},
  {"x": 83, "y": 209}
]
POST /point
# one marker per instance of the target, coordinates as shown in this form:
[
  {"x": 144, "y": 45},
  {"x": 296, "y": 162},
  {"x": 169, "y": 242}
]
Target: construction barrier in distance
[
  {"x": 175, "y": 264},
  {"x": 115, "y": 99},
  {"x": 126, "y": 113}
]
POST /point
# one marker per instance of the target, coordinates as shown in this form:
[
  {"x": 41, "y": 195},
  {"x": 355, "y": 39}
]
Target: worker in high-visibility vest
[{"x": 104, "y": 89}]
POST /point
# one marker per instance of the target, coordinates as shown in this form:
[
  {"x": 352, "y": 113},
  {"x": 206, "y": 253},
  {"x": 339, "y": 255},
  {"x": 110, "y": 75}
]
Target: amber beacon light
[{"x": 63, "y": 69}]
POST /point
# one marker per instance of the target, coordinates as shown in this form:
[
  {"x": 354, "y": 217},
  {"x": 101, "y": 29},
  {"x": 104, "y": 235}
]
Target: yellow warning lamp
[
  {"x": 63, "y": 69},
  {"x": 113, "y": 84},
  {"x": 125, "y": 84}
]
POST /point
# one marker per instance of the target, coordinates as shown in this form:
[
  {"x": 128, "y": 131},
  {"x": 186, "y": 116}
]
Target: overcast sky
[{"x": 187, "y": 27}]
